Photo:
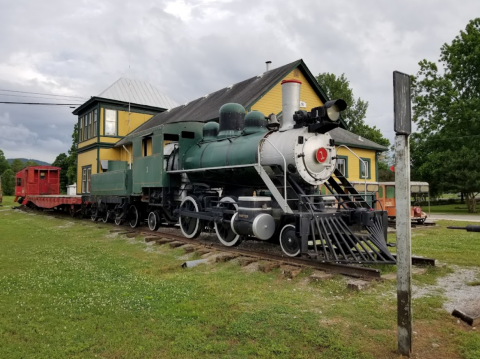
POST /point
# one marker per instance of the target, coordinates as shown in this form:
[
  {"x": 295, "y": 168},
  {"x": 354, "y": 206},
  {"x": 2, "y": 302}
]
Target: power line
[
  {"x": 40, "y": 103},
  {"x": 47, "y": 98},
  {"x": 40, "y": 93}
]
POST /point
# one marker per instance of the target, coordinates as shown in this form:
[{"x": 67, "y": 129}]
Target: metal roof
[
  {"x": 138, "y": 92},
  {"x": 344, "y": 137}
]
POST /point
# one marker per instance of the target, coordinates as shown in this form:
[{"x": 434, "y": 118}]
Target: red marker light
[{"x": 321, "y": 155}]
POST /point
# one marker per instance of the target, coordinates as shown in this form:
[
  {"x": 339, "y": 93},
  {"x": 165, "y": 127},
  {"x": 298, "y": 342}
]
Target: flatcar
[
  {"x": 386, "y": 200},
  {"x": 246, "y": 177},
  {"x": 39, "y": 187}
]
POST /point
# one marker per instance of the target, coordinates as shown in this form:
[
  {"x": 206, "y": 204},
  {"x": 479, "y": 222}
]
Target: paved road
[{"x": 454, "y": 217}]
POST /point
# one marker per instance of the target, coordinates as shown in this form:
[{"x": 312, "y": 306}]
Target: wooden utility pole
[{"x": 403, "y": 128}]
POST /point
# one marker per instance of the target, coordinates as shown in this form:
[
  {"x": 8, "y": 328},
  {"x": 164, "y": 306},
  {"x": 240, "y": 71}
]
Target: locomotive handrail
[
  {"x": 284, "y": 167},
  {"x": 363, "y": 162}
]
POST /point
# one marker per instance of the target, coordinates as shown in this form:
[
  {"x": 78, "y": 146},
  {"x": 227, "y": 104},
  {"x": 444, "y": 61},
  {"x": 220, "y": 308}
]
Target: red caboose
[
  {"x": 37, "y": 180},
  {"x": 39, "y": 186}
]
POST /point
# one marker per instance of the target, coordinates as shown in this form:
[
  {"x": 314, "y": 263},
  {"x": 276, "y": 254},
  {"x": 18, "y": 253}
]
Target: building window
[
  {"x": 86, "y": 177},
  {"x": 365, "y": 168},
  {"x": 342, "y": 165},
  {"x": 80, "y": 129},
  {"x": 89, "y": 133},
  {"x": 110, "y": 122},
  {"x": 87, "y": 126},
  {"x": 95, "y": 123}
]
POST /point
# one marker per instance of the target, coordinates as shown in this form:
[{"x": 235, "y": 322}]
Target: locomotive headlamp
[
  {"x": 324, "y": 118},
  {"x": 334, "y": 108}
]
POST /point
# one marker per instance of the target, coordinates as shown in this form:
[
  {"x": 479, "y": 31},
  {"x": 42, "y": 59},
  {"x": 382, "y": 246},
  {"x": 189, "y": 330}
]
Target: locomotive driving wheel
[
  {"x": 133, "y": 216},
  {"x": 117, "y": 214},
  {"x": 191, "y": 227},
  {"x": 224, "y": 230},
  {"x": 153, "y": 220},
  {"x": 289, "y": 241},
  {"x": 94, "y": 212},
  {"x": 106, "y": 216}
]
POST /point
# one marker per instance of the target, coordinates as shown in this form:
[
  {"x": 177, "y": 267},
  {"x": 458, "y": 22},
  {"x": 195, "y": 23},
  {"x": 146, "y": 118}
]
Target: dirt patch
[
  {"x": 67, "y": 225},
  {"x": 430, "y": 342},
  {"x": 252, "y": 267},
  {"x": 454, "y": 287}
]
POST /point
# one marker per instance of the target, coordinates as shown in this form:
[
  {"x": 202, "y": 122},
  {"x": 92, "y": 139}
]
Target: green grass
[
  {"x": 448, "y": 208},
  {"x": 447, "y": 245},
  {"x": 71, "y": 289}
]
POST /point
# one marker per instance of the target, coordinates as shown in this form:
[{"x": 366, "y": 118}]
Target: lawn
[
  {"x": 448, "y": 208},
  {"x": 70, "y": 288}
]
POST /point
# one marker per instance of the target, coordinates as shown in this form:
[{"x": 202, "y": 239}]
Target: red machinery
[{"x": 40, "y": 186}]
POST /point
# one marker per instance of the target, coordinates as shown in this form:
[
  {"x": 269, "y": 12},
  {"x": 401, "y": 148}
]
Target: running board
[{"x": 273, "y": 189}]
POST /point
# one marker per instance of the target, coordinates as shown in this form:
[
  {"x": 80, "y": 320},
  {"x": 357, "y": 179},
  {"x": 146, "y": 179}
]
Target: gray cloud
[{"x": 188, "y": 48}]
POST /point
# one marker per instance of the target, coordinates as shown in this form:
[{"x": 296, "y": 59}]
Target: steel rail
[{"x": 348, "y": 270}]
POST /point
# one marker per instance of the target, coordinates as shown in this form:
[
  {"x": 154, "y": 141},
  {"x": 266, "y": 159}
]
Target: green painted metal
[
  {"x": 210, "y": 131},
  {"x": 235, "y": 151},
  {"x": 117, "y": 165},
  {"x": 149, "y": 171},
  {"x": 114, "y": 183},
  {"x": 231, "y": 120},
  {"x": 390, "y": 191},
  {"x": 255, "y": 122}
]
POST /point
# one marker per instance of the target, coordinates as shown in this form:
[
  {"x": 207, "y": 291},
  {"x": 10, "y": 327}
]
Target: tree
[
  {"x": 17, "y": 165},
  {"x": 62, "y": 162},
  {"x": 3, "y": 163},
  {"x": 30, "y": 163},
  {"x": 72, "y": 157},
  {"x": 385, "y": 174},
  {"x": 446, "y": 149},
  {"x": 8, "y": 183},
  {"x": 355, "y": 113}
]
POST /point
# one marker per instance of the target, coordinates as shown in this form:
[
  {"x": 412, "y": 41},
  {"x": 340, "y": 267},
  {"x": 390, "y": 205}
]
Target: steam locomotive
[{"x": 246, "y": 177}]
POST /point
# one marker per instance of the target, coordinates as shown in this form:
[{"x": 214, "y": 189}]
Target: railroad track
[
  {"x": 348, "y": 270},
  {"x": 392, "y": 224},
  {"x": 355, "y": 271}
]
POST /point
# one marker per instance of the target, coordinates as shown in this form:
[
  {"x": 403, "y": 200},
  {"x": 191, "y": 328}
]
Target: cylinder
[
  {"x": 290, "y": 102},
  {"x": 254, "y": 217}
]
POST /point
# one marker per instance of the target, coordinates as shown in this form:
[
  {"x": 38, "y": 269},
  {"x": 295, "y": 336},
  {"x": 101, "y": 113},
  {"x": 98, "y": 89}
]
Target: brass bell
[{"x": 273, "y": 123}]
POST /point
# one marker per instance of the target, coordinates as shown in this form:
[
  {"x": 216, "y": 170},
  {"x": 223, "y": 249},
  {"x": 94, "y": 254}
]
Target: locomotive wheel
[
  {"x": 133, "y": 216},
  {"x": 106, "y": 216},
  {"x": 94, "y": 212},
  {"x": 191, "y": 227},
  {"x": 153, "y": 220},
  {"x": 117, "y": 214},
  {"x": 224, "y": 230},
  {"x": 289, "y": 241}
]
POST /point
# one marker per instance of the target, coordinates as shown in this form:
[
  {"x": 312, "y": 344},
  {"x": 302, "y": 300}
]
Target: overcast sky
[{"x": 188, "y": 48}]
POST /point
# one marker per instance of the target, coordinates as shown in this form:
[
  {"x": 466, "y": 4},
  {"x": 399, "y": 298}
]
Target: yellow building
[{"x": 107, "y": 118}]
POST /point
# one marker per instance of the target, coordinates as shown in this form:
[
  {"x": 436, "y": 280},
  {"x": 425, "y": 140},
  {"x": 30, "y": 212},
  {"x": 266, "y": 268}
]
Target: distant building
[{"x": 107, "y": 118}]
